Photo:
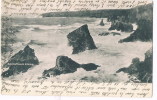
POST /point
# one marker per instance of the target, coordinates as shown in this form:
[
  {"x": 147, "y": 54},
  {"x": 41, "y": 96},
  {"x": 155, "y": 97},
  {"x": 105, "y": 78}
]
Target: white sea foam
[{"x": 110, "y": 54}]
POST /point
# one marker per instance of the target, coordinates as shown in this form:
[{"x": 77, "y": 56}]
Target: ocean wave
[{"x": 110, "y": 54}]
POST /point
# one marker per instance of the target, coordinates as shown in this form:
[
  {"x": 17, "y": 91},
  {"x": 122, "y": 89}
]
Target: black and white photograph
[{"x": 103, "y": 45}]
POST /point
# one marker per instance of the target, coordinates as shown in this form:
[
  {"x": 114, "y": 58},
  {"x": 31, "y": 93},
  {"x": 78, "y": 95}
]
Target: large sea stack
[
  {"x": 142, "y": 70},
  {"x": 81, "y": 40},
  {"x": 21, "y": 62},
  {"x": 66, "y": 65}
]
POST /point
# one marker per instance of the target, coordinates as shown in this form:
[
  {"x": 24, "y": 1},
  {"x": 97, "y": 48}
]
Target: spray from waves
[
  {"x": 95, "y": 23},
  {"x": 98, "y": 75},
  {"x": 110, "y": 54}
]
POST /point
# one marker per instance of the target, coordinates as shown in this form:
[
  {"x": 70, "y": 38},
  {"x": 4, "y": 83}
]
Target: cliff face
[
  {"x": 141, "y": 12},
  {"x": 21, "y": 62},
  {"x": 135, "y": 14},
  {"x": 81, "y": 40},
  {"x": 143, "y": 16},
  {"x": 144, "y": 32},
  {"x": 142, "y": 70}
]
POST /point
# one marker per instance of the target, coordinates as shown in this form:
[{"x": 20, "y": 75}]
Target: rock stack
[
  {"x": 102, "y": 23},
  {"x": 21, "y": 62},
  {"x": 66, "y": 65},
  {"x": 81, "y": 40}
]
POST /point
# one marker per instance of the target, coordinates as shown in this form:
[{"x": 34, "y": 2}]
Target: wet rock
[
  {"x": 63, "y": 65},
  {"x": 109, "y": 33},
  {"x": 81, "y": 40},
  {"x": 21, "y": 62},
  {"x": 102, "y": 23},
  {"x": 104, "y": 34},
  {"x": 89, "y": 67},
  {"x": 142, "y": 70},
  {"x": 121, "y": 26},
  {"x": 51, "y": 72},
  {"x": 144, "y": 32},
  {"x": 66, "y": 65}
]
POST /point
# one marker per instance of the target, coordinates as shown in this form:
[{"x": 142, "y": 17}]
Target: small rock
[
  {"x": 102, "y": 23},
  {"x": 109, "y": 33}
]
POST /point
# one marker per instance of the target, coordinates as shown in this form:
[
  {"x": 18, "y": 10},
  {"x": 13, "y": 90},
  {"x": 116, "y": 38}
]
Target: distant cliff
[
  {"x": 132, "y": 15},
  {"x": 89, "y": 13}
]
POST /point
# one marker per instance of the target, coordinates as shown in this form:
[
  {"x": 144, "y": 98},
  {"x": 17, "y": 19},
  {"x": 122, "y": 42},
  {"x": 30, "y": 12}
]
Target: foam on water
[{"x": 110, "y": 54}]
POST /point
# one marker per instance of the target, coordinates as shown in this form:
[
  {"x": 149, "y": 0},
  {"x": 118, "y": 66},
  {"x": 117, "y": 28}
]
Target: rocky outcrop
[
  {"x": 121, "y": 26},
  {"x": 104, "y": 34},
  {"x": 89, "y": 67},
  {"x": 81, "y": 40},
  {"x": 20, "y": 62},
  {"x": 109, "y": 33},
  {"x": 102, "y": 23},
  {"x": 142, "y": 70},
  {"x": 66, "y": 65},
  {"x": 144, "y": 32}
]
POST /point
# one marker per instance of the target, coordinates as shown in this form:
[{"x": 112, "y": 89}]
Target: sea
[{"x": 48, "y": 38}]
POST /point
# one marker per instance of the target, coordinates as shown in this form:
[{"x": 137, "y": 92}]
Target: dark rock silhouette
[
  {"x": 142, "y": 70},
  {"x": 133, "y": 15},
  {"x": 66, "y": 65},
  {"x": 109, "y": 33},
  {"x": 89, "y": 67},
  {"x": 24, "y": 56},
  {"x": 21, "y": 62},
  {"x": 81, "y": 40},
  {"x": 102, "y": 23},
  {"x": 144, "y": 32},
  {"x": 121, "y": 26},
  {"x": 104, "y": 34}
]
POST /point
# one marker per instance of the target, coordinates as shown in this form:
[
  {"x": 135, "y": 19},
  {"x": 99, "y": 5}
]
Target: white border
[{"x": 6, "y": 97}]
